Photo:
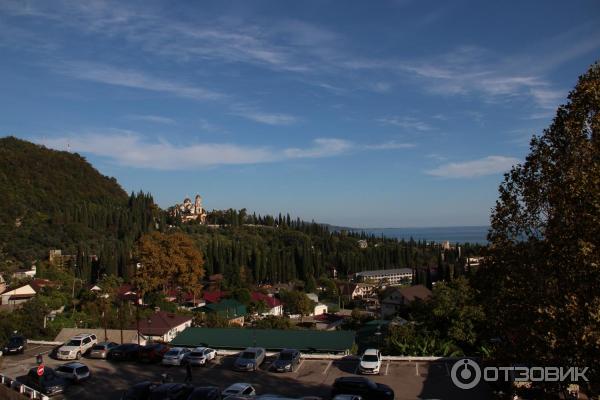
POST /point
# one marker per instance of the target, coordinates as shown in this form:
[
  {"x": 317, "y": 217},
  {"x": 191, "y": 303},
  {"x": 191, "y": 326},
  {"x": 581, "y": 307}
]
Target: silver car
[
  {"x": 250, "y": 359},
  {"x": 74, "y": 371},
  {"x": 101, "y": 349},
  {"x": 175, "y": 356}
]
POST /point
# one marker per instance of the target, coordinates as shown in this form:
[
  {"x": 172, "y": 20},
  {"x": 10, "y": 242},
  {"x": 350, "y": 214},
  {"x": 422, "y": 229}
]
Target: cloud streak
[
  {"x": 130, "y": 78},
  {"x": 128, "y": 148},
  {"x": 470, "y": 169}
]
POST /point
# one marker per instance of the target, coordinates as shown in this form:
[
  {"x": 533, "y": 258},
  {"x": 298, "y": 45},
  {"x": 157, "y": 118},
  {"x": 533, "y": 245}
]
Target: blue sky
[{"x": 372, "y": 114}]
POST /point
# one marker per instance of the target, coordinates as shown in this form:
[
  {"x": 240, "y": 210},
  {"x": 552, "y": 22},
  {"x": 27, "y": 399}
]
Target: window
[
  {"x": 82, "y": 370},
  {"x": 86, "y": 340},
  {"x": 247, "y": 391}
]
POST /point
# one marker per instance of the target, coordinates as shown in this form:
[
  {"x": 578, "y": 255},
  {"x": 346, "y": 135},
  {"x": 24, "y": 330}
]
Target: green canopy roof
[
  {"x": 227, "y": 308},
  {"x": 270, "y": 339}
]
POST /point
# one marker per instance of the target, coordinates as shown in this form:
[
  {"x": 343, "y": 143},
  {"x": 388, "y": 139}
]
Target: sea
[{"x": 453, "y": 234}]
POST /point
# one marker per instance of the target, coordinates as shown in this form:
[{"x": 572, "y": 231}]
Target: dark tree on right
[{"x": 540, "y": 285}]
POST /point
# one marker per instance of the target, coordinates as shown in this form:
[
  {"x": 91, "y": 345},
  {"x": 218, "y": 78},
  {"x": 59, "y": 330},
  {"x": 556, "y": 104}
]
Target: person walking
[{"x": 188, "y": 372}]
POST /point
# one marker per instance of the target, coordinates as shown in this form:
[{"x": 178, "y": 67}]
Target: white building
[
  {"x": 25, "y": 273},
  {"x": 319, "y": 309},
  {"x": 18, "y": 295},
  {"x": 391, "y": 277}
]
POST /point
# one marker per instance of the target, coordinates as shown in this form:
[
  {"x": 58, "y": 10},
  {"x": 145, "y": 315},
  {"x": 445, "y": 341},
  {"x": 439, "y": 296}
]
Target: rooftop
[
  {"x": 161, "y": 322},
  {"x": 393, "y": 271},
  {"x": 270, "y": 339}
]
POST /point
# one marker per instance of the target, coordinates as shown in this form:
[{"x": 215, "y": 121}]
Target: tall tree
[
  {"x": 168, "y": 261},
  {"x": 541, "y": 282}
]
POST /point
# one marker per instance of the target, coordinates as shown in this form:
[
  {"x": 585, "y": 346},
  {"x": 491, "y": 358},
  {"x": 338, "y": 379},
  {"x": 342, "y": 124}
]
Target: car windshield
[
  {"x": 286, "y": 356},
  {"x": 16, "y": 341},
  {"x": 196, "y": 354},
  {"x": 248, "y": 355},
  {"x": 172, "y": 353},
  {"x": 64, "y": 368},
  {"x": 370, "y": 358},
  {"x": 74, "y": 343}
]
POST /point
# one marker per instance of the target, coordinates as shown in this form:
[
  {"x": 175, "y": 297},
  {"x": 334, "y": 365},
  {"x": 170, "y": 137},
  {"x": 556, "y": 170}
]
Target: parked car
[
  {"x": 250, "y": 359},
  {"x": 49, "y": 383},
  {"x": 239, "y": 389},
  {"x": 74, "y": 371},
  {"x": 15, "y": 345},
  {"x": 287, "y": 360},
  {"x": 200, "y": 356},
  {"x": 124, "y": 352},
  {"x": 101, "y": 349},
  {"x": 153, "y": 352},
  {"x": 171, "y": 391},
  {"x": 347, "y": 397},
  {"x": 76, "y": 347},
  {"x": 363, "y": 387},
  {"x": 370, "y": 362},
  {"x": 175, "y": 356},
  {"x": 205, "y": 393},
  {"x": 139, "y": 391}
]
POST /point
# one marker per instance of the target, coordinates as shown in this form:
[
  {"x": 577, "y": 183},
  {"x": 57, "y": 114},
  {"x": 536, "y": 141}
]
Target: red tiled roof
[
  {"x": 270, "y": 301},
  {"x": 160, "y": 323},
  {"x": 39, "y": 283},
  {"x": 213, "y": 297},
  {"x": 415, "y": 292},
  {"x": 126, "y": 292}
]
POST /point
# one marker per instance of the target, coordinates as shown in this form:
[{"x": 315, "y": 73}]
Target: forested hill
[{"x": 56, "y": 200}]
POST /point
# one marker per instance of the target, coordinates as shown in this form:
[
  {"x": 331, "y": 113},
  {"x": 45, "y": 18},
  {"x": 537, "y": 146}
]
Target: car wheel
[{"x": 78, "y": 356}]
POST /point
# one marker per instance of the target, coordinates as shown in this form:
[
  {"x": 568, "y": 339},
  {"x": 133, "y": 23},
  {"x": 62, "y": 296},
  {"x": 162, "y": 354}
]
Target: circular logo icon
[{"x": 465, "y": 374}]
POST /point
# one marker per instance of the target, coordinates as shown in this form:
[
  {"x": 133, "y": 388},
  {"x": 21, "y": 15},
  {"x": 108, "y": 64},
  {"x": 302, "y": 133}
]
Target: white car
[
  {"x": 239, "y": 389},
  {"x": 200, "y": 356},
  {"x": 175, "y": 356},
  {"x": 76, "y": 347},
  {"x": 370, "y": 362}
]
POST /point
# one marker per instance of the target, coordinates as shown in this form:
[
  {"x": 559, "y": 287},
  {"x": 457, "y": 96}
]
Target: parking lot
[{"x": 410, "y": 380}]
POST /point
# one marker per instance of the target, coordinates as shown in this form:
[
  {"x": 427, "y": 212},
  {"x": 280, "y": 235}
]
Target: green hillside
[{"x": 56, "y": 200}]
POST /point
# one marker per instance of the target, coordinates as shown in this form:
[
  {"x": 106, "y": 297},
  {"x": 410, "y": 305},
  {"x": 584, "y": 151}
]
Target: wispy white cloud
[
  {"x": 128, "y": 148},
  {"x": 151, "y": 118},
  {"x": 391, "y": 145},
  {"x": 408, "y": 123},
  {"x": 253, "y": 114},
  {"x": 469, "y": 169},
  {"x": 130, "y": 78}
]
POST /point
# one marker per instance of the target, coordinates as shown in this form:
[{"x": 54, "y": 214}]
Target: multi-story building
[{"x": 396, "y": 276}]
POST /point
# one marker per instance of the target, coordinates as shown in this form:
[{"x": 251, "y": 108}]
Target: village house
[
  {"x": 392, "y": 277},
  {"x": 162, "y": 326},
  {"x": 232, "y": 310},
  {"x": 396, "y": 298},
  {"x": 273, "y": 305},
  {"x": 25, "y": 273},
  {"x": 355, "y": 290},
  {"x": 17, "y": 296}
]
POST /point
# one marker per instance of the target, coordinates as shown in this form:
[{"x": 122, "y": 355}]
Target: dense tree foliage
[
  {"x": 168, "y": 261},
  {"x": 541, "y": 284},
  {"x": 57, "y": 200}
]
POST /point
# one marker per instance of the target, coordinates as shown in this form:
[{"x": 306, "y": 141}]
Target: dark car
[
  {"x": 205, "y": 393},
  {"x": 139, "y": 391},
  {"x": 287, "y": 360},
  {"x": 363, "y": 387},
  {"x": 124, "y": 352},
  {"x": 49, "y": 383},
  {"x": 153, "y": 352},
  {"x": 15, "y": 345},
  {"x": 171, "y": 391}
]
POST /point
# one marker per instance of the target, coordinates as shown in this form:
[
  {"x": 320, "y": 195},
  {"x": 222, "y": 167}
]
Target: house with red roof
[
  {"x": 213, "y": 296},
  {"x": 162, "y": 326},
  {"x": 272, "y": 304}
]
